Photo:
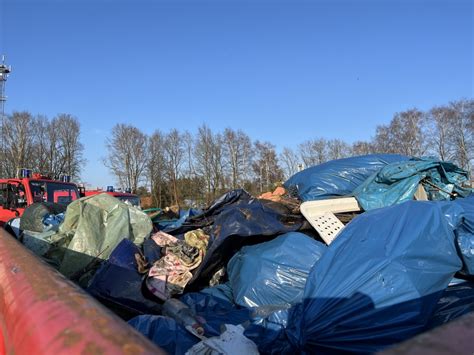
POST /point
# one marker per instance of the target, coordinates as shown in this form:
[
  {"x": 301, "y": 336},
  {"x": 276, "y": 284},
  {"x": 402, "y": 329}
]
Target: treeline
[
  {"x": 179, "y": 167},
  {"x": 50, "y": 146}
]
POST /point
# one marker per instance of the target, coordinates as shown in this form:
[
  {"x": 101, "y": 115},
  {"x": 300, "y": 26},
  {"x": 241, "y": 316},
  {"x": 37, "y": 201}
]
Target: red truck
[
  {"x": 126, "y": 196},
  {"x": 18, "y": 193}
]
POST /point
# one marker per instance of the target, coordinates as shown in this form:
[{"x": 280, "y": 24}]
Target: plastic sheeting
[
  {"x": 92, "y": 228},
  {"x": 456, "y": 301},
  {"x": 460, "y": 216},
  {"x": 398, "y": 182},
  {"x": 379, "y": 281},
  {"x": 275, "y": 272},
  {"x": 169, "y": 225},
  {"x": 337, "y": 177},
  {"x": 234, "y": 220},
  {"x": 174, "y": 338},
  {"x": 118, "y": 283}
]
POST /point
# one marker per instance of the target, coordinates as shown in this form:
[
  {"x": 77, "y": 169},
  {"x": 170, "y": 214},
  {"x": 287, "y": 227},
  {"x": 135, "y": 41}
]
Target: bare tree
[
  {"x": 362, "y": 148},
  {"x": 156, "y": 168},
  {"x": 439, "y": 127},
  {"x": 42, "y": 144},
  {"x": 337, "y": 149},
  {"x": 404, "y": 135},
  {"x": 127, "y": 155},
  {"x": 265, "y": 166},
  {"x": 237, "y": 147},
  {"x": 290, "y": 162},
  {"x": 383, "y": 142},
  {"x": 174, "y": 156},
  {"x": 209, "y": 160},
  {"x": 313, "y": 152},
  {"x": 463, "y": 118},
  {"x": 71, "y": 150},
  {"x": 18, "y": 142}
]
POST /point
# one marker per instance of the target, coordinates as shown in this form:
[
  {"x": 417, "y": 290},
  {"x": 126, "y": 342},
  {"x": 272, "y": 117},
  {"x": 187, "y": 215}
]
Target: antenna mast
[{"x": 4, "y": 71}]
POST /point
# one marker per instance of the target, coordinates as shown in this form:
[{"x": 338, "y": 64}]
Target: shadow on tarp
[
  {"x": 334, "y": 330},
  {"x": 346, "y": 325}
]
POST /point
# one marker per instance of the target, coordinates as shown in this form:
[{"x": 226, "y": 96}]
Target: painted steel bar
[{"x": 41, "y": 312}]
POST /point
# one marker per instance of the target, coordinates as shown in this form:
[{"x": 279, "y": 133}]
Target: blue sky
[{"x": 283, "y": 71}]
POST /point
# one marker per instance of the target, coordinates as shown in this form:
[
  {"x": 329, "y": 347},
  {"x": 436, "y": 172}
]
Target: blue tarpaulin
[
  {"x": 337, "y": 177},
  {"x": 398, "y": 182}
]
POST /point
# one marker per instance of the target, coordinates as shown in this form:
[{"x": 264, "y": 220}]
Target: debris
[
  {"x": 169, "y": 275},
  {"x": 386, "y": 277},
  {"x": 398, "y": 182},
  {"x": 231, "y": 342},
  {"x": 180, "y": 312}
]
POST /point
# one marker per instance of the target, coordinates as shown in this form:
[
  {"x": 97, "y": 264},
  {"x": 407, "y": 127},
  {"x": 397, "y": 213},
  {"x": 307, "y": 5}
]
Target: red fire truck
[
  {"x": 124, "y": 196},
  {"x": 18, "y": 193}
]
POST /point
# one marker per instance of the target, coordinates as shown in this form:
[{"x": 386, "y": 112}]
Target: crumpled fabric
[{"x": 169, "y": 275}]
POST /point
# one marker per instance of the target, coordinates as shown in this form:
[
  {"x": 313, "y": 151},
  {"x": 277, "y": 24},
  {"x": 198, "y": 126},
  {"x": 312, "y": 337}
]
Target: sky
[{"x": 282, "y": 71}]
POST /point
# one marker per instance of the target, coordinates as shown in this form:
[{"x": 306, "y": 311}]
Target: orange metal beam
[{"x": 41, "y": 312}]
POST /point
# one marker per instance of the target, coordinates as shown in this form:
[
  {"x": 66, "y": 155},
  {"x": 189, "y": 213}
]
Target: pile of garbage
[{"x": 353, "y": 255}]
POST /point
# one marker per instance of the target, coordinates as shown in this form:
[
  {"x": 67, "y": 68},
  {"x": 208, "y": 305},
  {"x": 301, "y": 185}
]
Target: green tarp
[{"x": 92, "y": 228}]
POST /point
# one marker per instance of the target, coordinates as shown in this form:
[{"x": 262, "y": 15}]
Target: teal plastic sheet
[{"x": 398, "y": 182}]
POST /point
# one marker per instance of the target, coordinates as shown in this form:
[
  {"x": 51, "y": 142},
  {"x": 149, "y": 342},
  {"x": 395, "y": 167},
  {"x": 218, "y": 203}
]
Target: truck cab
[{"x": 18, "y": 193}]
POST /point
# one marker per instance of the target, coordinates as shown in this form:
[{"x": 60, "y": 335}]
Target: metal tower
[{"x": 4, "y": 71}]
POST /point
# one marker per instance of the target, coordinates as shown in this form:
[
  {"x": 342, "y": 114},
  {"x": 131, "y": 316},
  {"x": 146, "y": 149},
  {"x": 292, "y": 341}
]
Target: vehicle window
[
  {"x": 53, "y": 192},
  {"x": 3, "y": 193},
  {"x": 135, "y": 201}
]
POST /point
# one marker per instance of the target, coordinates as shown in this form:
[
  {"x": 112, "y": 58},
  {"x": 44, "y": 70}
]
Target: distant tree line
[
  {"x": 50, "y": 146},
  {"x": 179, "y": 167}
]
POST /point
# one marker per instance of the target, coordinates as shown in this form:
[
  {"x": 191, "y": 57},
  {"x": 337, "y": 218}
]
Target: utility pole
[{"x": 4, "y": 71}]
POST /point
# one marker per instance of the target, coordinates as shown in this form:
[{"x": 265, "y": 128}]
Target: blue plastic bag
[
  {"x": 337, "y": 177},
  {"x": 456, "y": 301},
  {"x": 174, "y": 338},
  {"x": 378, "y": 283},
  {"x": 275, "y": 272}
]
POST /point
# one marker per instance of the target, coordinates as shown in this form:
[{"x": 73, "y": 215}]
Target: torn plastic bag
[
  {"x": 398, "y": 182},
  {"x": 174, "y": 338},
  {"x": 378, "y": 283},
  {"x": 337, "y": 177},
  {"x": 234, "y": 220},
  {"x": 92, "y": 228},
  {"x": 456, "y": 301},
  {"x": 275, "y": 272},
  {"x": 118, "y": 284}
]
